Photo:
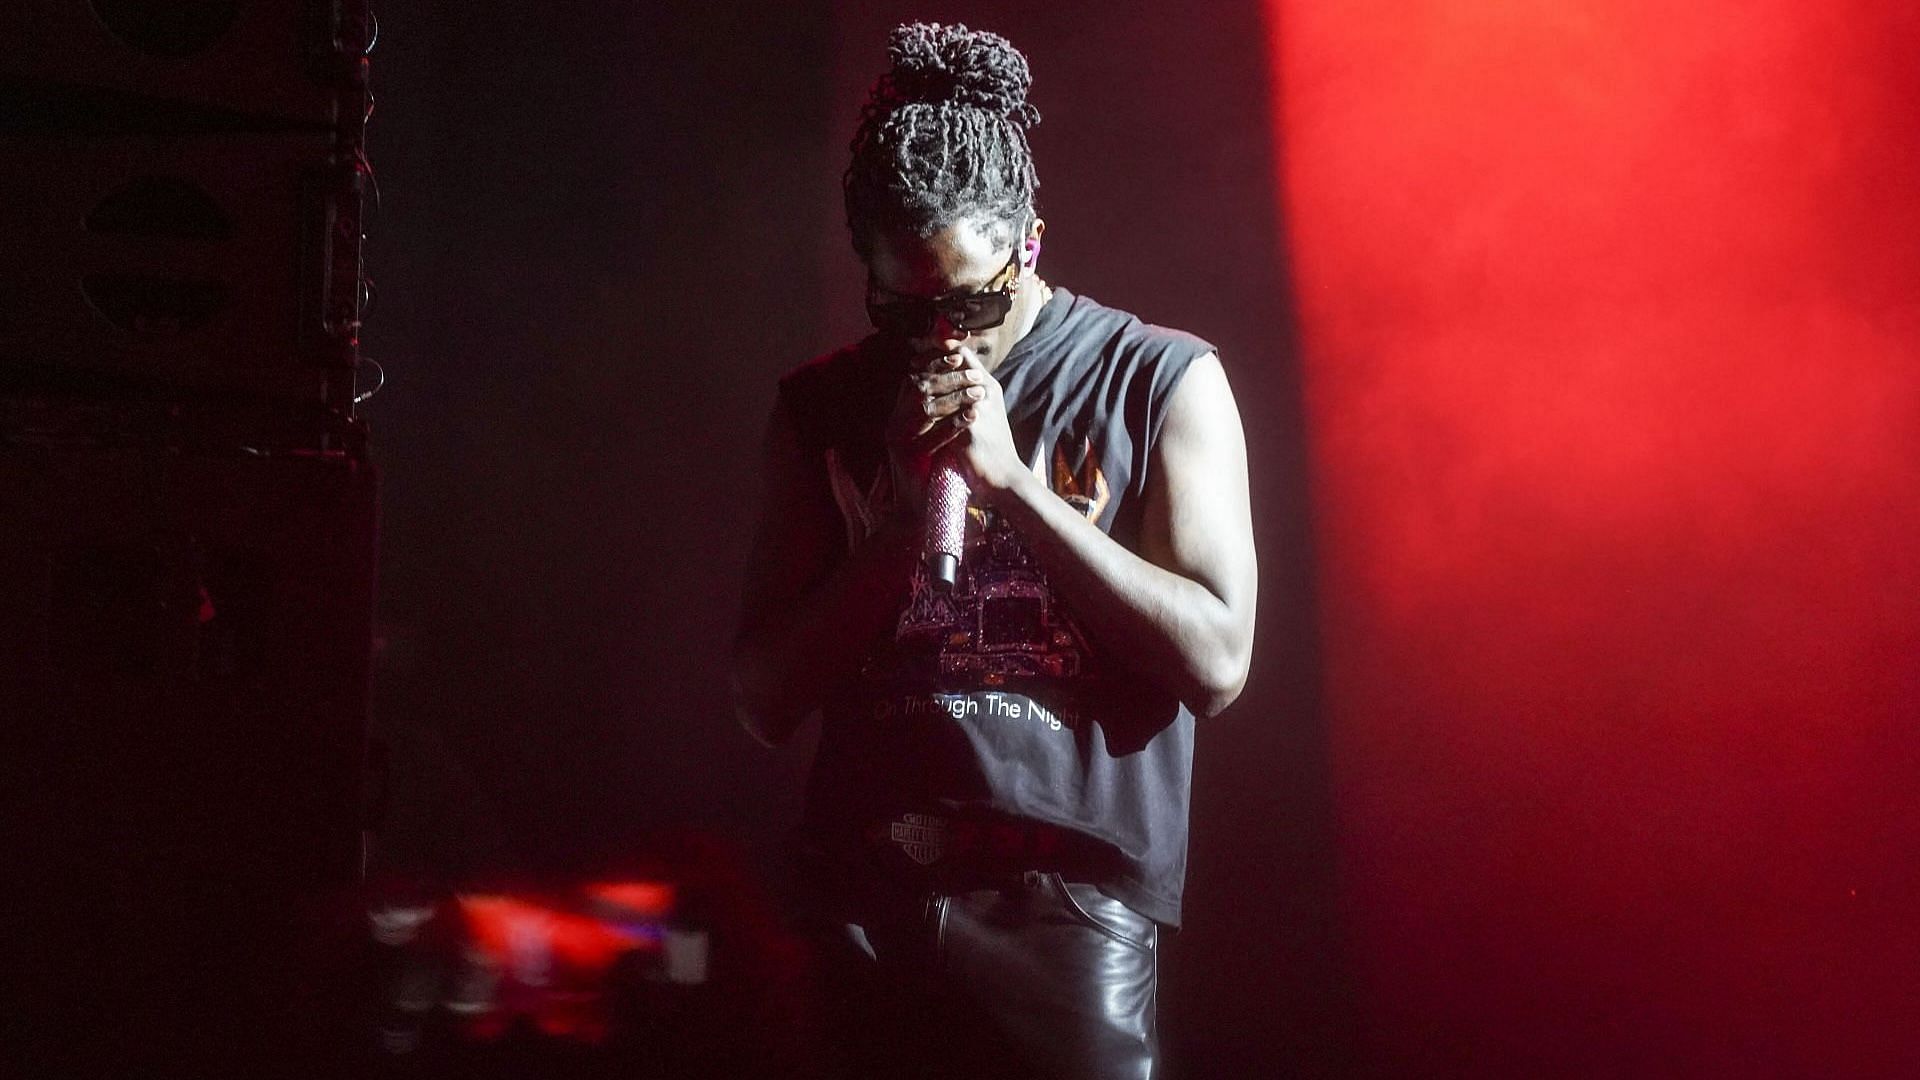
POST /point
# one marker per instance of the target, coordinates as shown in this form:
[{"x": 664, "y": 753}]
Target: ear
[{"x": 1033, "y": 242}]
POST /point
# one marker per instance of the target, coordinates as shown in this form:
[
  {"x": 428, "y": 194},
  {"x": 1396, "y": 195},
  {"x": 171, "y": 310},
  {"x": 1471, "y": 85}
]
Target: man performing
[{"x": 996, "y": 821}]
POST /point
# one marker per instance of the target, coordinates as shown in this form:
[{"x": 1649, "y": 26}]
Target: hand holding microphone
[
  {"x": 936, "y": 404},
  {"x": 949, "y": 441}
]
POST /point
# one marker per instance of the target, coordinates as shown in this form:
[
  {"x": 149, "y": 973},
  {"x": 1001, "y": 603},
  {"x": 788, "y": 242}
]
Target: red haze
[{"x": 1610, "y": 316}]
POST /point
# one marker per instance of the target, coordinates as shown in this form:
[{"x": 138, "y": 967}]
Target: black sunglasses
[{"x": 914, "y": 316}]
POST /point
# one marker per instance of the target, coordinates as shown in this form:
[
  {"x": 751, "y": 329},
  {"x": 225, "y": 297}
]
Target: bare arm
[{"x": 1182, "y": 608}]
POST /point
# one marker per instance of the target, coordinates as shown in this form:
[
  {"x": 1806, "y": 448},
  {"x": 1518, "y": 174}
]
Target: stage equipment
[
  {"x": 276, "y": 63},
  {"x": 187, "y": 525},
  {"x": 183, "y": 198},
  {"x": 200, "y": 266},
  {"x": 186, "y": 689}
]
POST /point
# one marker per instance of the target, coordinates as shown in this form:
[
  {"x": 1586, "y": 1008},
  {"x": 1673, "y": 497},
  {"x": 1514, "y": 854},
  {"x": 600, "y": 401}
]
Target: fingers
[
  {"x": 944, "y": 393},
  {"x": 923, "y": 419},
  {"x": 940, "y": 430},
  {"x": 916, "y": 439},
  {"x": 939, "y": 402},
  {"x": 937, "y": 406},
  {"x": 946, "y": 374},
  {"x": 952, "y": 359}
]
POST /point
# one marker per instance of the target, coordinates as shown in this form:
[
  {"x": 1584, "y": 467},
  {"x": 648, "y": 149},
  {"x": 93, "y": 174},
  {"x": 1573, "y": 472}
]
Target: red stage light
[{"x": 1611, "y": 346}]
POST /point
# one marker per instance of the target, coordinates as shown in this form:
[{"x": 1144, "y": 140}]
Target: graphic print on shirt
[
  {"x": 1081, "y": 482},
  {"x": 1002, "y": 623},
  {"x": 859, "y": 510}
]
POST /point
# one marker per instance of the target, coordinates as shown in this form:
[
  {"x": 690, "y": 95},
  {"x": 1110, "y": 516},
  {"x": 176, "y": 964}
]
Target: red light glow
[
  {"x": 638, "y": 899},
  {"x": 552, "y": 960},
  {"x": 1611, "y": 348}
]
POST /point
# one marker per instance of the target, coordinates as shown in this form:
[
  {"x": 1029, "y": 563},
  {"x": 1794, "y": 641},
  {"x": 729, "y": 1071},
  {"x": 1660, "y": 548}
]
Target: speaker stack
[{"x": 187, "y": 517}]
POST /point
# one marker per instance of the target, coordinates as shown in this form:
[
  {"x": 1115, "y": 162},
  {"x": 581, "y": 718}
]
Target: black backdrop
[{"x": 605, "y": 229}]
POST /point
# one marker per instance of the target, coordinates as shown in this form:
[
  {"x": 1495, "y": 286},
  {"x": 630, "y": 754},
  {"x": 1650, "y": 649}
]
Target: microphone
[{"x": 947, "y": 496}]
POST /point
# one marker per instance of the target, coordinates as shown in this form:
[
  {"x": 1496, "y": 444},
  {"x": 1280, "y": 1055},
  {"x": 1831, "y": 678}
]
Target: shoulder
[
  {"x": 840, "y": 398},
  {"x": 845, "y": 365},
  {"x": 1129, "y": 338},
  {"x": 1129, "y": 371},
  {"x": 1205, "y": 399},
  {"x": 1170, "y": 353}
]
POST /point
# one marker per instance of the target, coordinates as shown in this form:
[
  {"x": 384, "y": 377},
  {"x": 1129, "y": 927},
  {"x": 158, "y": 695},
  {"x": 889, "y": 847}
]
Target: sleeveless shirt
[{"x": 991, "y": 700}]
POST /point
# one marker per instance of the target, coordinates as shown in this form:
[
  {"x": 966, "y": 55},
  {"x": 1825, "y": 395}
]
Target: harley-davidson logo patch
[{"x": 922, "y": 836}]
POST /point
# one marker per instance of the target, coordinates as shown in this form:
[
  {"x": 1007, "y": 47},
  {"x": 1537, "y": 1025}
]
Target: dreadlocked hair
[{"x": 943, "y": 138}]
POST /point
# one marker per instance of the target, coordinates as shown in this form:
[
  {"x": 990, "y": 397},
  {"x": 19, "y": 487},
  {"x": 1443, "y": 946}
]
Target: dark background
[{"x": 606, "y": 228}]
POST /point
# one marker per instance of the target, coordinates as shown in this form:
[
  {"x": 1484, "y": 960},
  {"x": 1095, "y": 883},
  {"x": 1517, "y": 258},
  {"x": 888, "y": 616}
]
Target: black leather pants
[{"x": 1029, "y": 975}]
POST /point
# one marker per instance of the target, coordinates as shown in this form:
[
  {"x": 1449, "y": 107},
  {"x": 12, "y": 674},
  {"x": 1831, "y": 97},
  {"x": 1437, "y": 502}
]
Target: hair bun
[{"x": 947, "y": 63}]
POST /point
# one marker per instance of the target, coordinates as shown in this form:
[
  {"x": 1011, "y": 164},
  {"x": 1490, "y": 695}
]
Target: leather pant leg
[
  {"x": 1066, "y": 975},
  {"x": 1034, "y": 976}
]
